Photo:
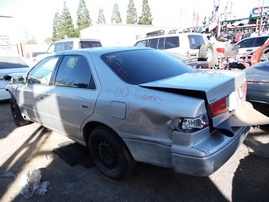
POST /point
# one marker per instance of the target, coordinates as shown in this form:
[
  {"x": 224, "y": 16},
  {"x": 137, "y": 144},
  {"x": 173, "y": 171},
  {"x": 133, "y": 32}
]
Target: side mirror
[{"x": 17, "y": 80}]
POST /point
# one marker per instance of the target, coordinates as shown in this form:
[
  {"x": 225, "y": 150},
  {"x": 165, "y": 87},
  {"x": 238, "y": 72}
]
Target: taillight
[
  {"x": 219, "y": 106},
  {"x": 220, "y": 50}
]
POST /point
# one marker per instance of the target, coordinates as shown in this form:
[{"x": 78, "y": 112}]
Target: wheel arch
[{"x": 90, "y": 126}]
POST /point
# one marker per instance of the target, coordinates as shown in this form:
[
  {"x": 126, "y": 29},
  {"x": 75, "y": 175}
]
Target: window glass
[
  {"x": 260, "y": 41},
  {"x": 153, "y": 43},
  {"x": 196, "y": 41},
  {"x": 142, "y": 66},
  {"x": 74, "y": 72},
  {"x": 161, "y": 43},
  {"x": 90, "y": 44},
  {"x": 172, "y": 42},
  {"x": 141, "y": 43},
  {"x": 41, "y": 73},
  {"x": 246, "y": 43}
]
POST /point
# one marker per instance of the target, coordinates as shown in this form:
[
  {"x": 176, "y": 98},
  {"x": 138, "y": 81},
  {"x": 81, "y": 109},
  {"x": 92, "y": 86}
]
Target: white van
[
  {"x": 70, "y": 44},
  {"x": 188, "y": 45}
]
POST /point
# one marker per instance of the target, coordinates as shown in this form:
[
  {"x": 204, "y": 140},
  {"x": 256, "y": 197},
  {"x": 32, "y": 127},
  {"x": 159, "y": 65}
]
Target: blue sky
[{"x": 36, "y": 16}]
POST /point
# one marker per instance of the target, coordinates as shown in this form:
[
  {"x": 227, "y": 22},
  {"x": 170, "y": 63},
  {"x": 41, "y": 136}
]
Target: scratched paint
[{"x": 140, "y": 119}]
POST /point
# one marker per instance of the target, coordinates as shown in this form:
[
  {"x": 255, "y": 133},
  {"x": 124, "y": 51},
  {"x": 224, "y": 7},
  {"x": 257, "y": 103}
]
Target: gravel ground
[{"x": 245, "y": 177}]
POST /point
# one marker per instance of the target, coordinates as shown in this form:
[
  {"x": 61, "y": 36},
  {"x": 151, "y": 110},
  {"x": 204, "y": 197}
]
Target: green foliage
[
  {"x": 146, "y": 17},
  {"x": 63, "y": 25},
  {"x": 101, "y": 17},
  {"x": 131, "y": 13},
  {"x": 83, "y": 16},
  {"x": 116, "y": 17},
  {"x": 57, "y": 33}
]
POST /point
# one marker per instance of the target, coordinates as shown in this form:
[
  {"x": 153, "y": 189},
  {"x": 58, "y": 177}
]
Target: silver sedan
[{"x": 133, "y": 104}]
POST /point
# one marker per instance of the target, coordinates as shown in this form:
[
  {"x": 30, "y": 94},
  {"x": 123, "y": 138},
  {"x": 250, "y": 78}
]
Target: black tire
[
  {"x": 110, "y": 153},
  {"x": 207, "y": 51},
  {"x": 16, "y": 114}
]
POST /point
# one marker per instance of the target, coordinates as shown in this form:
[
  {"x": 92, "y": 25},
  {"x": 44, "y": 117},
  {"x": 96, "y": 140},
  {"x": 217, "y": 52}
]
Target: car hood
[{"x": 214, "y": 84}]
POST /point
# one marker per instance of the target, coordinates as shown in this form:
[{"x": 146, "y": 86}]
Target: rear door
[{"x": 73, "y": 97}]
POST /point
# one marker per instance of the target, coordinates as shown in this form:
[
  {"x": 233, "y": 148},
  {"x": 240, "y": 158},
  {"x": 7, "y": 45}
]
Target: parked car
[
  {"x": 70, "y": 44},
  {"x": 189, "y": 45},
  {"x": 131, "y": 104},
  {"x": 30, "y": 57},
  {"x": 250, "y": 44},
  {"x": 259, "y": 55},
  {"x": 13, "y": 65},
  {"x": 258, "y": 86}
]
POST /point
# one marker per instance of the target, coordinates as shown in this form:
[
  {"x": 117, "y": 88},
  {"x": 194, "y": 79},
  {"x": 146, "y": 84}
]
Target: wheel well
[{"x": 89, "y": 127}]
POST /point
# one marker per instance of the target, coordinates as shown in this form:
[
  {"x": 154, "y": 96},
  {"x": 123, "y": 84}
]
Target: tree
[
  {"x": 131, "y": 13},
  {"x": 83, "y": 16},
  {"x": 67, "y": 22},
  {"x": 146, "y": 17},
  {"x": 101, "y": 17},
  {"x": 57, "y": 31},
  {"x": 116, "y": 18}
]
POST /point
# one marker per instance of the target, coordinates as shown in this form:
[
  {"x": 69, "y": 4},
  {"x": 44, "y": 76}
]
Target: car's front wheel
[
  {"x": 110, "y": 153},
  {"x": 16, "y": 114}
]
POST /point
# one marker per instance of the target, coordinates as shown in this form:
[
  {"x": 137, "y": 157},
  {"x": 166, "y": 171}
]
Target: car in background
[
  {"x": 12, "y": 65},
  {"x": 258, "y": 86},
  {"x": 131, "y": 104},
  {"x": 255, "y": 13},
  {"x": 189, "y": 45},
  {"x": 70, "y": 44},
  {"x": 259, "y": 55},
  {"x": 247, "y": 45},
  {"x": 30, "y": 57}
]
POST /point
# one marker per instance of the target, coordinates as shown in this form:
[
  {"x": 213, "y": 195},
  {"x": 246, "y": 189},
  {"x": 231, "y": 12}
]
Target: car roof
[
  {"x": 170, "y": 35},
  {"x": 77, "y": 39},
  {"x": 104, "y": 50}
]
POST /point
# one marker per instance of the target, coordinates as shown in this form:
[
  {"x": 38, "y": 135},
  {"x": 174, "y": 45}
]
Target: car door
[
  {"x": 73, "y": 98},
  {"x": 33, "y": 94}
]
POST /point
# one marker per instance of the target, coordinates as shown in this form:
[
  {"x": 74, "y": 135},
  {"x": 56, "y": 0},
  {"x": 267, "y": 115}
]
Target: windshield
[
  {"x": 11, "y": 62},
  {"x": 142, "y": 66}
]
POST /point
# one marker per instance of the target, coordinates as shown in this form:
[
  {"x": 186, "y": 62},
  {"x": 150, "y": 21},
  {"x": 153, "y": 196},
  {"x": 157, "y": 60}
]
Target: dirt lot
[{"x": 245, "y": 177}]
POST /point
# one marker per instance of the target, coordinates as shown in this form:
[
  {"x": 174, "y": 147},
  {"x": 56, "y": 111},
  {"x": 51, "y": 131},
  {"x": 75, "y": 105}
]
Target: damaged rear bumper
[{"x": 206, "y": 157}]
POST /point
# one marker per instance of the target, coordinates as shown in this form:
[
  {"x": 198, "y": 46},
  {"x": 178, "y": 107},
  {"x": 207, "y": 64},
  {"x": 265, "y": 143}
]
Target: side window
[
  {"x": 42, "y": 72},
  {"x": 153, "y": 43},
  {"x": 74, "y": 72},
  {"x": 161, "y": 43},
  {"x": 59, "y": 47},
  {"x": 141, "y": 43},
  {"x": 260, "y": 41},
  {"x": 171, "y": 42},
  {"x": 246, "y": 43},
  {"x": 196, "y": 41}
]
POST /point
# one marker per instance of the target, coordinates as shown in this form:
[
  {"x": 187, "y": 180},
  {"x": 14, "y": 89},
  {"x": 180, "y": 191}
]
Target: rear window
[
  {"x": 11, "y": 62},
  {"x": 142, "y": 66},
  {"x": 90, "y": 44},
  {"x": 196, "y": 41}
]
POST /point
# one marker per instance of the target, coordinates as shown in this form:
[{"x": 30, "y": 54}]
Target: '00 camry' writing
[
  {"x": 141, "y": 96},
  {"x": 124, "y": 92}
]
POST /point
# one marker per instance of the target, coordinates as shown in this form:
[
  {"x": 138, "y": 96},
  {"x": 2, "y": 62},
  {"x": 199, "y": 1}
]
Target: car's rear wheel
[
  {"x": 207, "y": 51},
  {"x": 110, "y": 154},
  {"x": 16, "y": 114}
]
